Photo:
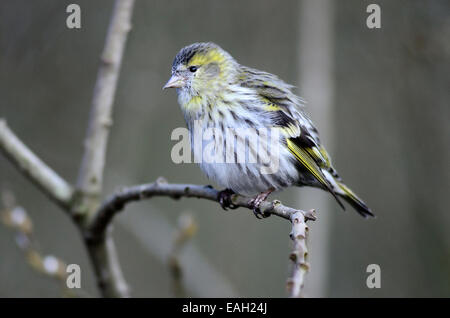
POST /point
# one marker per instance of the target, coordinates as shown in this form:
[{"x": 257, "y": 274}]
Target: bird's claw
[
  {"x": 259, "y": 215},
  {"x": 225, "y": 201},
  {"x": 257, "y": 211},
  {"x": 256, "y": 202}
]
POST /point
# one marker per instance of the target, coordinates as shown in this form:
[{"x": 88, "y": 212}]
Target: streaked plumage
[{"x": 215, "y": 89}]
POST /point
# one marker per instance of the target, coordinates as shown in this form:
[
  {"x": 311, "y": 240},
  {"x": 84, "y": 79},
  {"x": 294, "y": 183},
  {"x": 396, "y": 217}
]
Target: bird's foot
[
  {"x": 256, "y": 202},
  {"x": 225, "y": 201}
]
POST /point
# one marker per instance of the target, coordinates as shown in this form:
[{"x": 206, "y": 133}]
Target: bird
[{"x": 217, "y": 94}]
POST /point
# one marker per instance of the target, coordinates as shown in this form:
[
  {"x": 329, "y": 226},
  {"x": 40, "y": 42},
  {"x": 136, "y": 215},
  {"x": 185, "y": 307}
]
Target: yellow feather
[
  {"x": 194, "y": 104},
  {"x": 349, "y": 192},
  {"x": 272, "y": 107},
  {"x": 212, "y": 56},
  {"x": 325, "y": 156},
  {"x": 307, "y": 162}
]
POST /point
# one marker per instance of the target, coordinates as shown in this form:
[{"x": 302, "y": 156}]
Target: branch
[
  {"x": 55, "y": 187},
  {"x": 103, "y": 255},
  {"x": 90, "y": 177},
  {"x": 298, "y": 218},
  {"x": 116, "y": 202},
  {"x": 299, "y": 254}
]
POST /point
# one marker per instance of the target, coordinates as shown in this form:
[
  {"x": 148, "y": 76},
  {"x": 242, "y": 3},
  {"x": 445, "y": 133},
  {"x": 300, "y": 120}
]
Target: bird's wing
[{"x": 285, "y": 109}]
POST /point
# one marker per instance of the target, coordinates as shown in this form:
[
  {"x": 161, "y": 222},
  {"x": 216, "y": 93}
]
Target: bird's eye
[{"x": 193, "y": 69}]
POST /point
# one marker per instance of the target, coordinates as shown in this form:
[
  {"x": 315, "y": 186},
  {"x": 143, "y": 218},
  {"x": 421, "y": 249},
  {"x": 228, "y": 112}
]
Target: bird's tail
[
  {"x": 349, "y": 196},
  {"x": 339, "y": 189}
]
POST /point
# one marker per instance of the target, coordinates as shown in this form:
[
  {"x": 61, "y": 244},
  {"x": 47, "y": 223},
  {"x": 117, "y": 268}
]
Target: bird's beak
[{"x": 174, "y": 82}]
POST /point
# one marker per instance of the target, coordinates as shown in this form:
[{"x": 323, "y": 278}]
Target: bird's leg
[
  {"x": 225, "y": 201},
  {"x": 256, "y": 201}
]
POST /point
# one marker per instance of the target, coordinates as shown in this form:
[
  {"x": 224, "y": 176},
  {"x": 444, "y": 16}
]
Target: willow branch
[
  {"x": 54, "y": 186},
  {"x": 117, "y": 201},
  {"x": 299, "y": 254}
]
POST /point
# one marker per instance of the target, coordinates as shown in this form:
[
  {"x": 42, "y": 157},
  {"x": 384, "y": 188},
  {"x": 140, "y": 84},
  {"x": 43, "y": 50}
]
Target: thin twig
[
  {"x": 17, "y": 218},
  {"x": 54, "y": 186},
  {"x": 90, "y": 179},
  {"x": 299, "y": 254},
  {"x": 186, "y": 229},
  {"x": 85, "y": 202},
  {"x": 103, "y": 255},
  {"x": 116, "y": 202}
]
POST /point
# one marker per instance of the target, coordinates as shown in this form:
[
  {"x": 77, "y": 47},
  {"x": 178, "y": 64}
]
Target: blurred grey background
[{"x": 386, "y": 121}]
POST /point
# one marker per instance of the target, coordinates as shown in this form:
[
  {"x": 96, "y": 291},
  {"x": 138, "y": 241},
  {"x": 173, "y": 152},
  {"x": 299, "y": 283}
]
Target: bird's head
[{"x": 201, "y": 69}]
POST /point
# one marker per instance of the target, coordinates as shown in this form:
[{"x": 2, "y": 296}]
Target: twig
[
  {"x": 299, "y": 254},
  {"x": 116, "y": 202},
  {"x": 103, "y": 255},
  {"x": 186, "y": 229},
  {"x": 153, "y": 232},
  {"x": 90, "y": 179},
  {"x": 16, "y": 218},
  {"x": 84, "y": 202},
  {"x": 55, "y": 187}
]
